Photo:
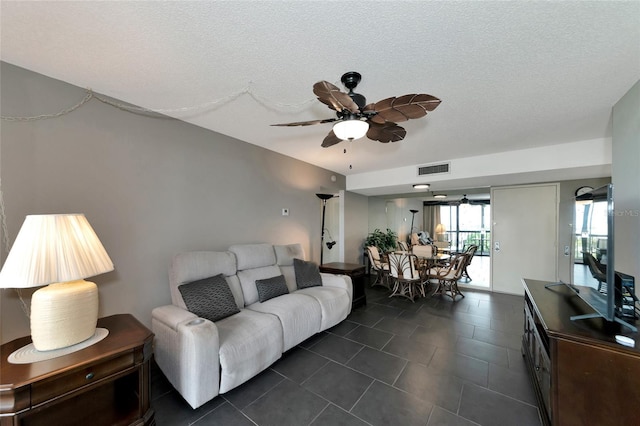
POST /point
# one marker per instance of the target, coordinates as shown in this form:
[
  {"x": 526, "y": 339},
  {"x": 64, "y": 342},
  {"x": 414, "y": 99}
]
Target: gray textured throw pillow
[
  {"x": 209, "y": 298},
  {"x": 307, "y": 274},
  {"x": 271, "y": 287}
]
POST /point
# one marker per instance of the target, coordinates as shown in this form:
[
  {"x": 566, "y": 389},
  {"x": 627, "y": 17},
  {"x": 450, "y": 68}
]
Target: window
[
  {"x": 590, "y": 229},
  {"x": 467, "y": 224}
]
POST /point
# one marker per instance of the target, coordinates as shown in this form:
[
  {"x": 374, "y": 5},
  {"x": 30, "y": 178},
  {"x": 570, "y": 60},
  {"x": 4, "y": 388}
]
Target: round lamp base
[
  {"x": 28, "y": 354},
  {"x": 63, "y": 314}
]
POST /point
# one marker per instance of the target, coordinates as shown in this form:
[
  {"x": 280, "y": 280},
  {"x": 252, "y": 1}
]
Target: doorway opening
[{"x": 465, "y": 224}]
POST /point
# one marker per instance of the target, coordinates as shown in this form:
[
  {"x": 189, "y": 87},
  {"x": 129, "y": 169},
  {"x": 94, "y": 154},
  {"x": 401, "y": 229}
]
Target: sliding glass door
[{"x": 467, "y": 224}]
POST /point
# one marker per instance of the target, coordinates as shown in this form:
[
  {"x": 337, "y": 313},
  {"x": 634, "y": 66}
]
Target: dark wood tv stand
[
  {"x": 107, "y": 383},
  {"x": 581, "y": 375}
]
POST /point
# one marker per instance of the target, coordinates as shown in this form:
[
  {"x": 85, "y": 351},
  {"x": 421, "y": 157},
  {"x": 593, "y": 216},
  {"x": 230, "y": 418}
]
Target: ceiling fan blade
[
  {"x": 403, "y": 108},
  {"x": 330, "y": 140},
  {"x": 388, "y": 132},
  {"x": 330, "y": 95},
  {"x": 307, "y": 123}
]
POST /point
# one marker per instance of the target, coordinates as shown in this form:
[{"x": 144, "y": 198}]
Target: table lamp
[
  {"x": 58, "y": 251},
  {"x": 440, "y": 231}
]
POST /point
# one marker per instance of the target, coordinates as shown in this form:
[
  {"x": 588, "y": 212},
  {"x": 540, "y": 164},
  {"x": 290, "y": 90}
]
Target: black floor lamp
[
  {"x": 413, "y": 215},
  {"x": 324, "y": 198}
]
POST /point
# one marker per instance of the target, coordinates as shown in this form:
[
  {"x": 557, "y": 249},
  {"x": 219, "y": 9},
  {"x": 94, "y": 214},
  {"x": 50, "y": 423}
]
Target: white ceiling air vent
[{"x": 433, "y": 169}]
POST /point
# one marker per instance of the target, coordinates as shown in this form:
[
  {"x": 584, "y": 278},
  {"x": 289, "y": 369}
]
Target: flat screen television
[{"x": 599, "y": 285}]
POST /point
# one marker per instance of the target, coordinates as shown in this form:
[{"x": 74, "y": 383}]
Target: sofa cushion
[
  {"x": 249, "y": 256},
  {"x": 290, "y": 277},
  {"x": 196, "y": 265},
  {"x": 335, "y": 304},
  {"x": 269, "y": 288},
  {"x": 248, "y": 281},
  {"x": 209, "y": 298},
  {"x": 249, "y": 343},
  {"x": 307, "y": 274},
  {"x": 299, "y": 314},
  {"x": 286, "y": 253}
]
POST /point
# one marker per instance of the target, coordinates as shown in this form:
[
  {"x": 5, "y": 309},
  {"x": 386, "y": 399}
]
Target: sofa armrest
[
  {"x": 187, "y": 351},
  {"x": 172, "y": 316},
  {"x": 339, "y": 281}
]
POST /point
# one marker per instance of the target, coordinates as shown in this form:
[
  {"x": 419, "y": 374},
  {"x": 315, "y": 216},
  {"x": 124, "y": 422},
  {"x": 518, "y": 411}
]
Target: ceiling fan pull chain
[{"x": 350, "y": 152}]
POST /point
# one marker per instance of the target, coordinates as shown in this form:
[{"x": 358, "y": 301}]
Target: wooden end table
[
  {"x": 357, "y": 274},
  {"x": 107, "y": 383}
]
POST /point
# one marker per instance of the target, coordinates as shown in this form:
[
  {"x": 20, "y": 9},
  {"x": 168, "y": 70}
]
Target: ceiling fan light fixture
[
  {"x": 421, "y": 186},
  {"x": 350, "y": 129},
  {"x": 440, "y": 196}
]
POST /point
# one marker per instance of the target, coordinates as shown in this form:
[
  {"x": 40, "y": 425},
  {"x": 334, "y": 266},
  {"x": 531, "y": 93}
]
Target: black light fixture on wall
[
  {"x": 331, "y": 241},
  {"x": 324, "y": 198}
]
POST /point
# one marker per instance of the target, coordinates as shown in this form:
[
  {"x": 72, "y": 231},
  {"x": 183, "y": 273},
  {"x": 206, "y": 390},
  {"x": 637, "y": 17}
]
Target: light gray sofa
[{"x": 201, "y": 358}]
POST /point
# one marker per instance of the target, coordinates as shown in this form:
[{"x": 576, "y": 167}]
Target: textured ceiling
[{"x": 511, "y": 75}]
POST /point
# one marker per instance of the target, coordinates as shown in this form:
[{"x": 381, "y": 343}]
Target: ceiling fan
[
  {"x": 465, "y": 200},
  {"x": 355, "y": 119}
]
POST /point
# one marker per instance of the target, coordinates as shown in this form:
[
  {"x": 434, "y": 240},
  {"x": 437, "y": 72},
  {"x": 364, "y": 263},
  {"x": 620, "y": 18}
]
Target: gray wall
[
  {"x": 625, "y": 176},
  {"x": 377, "y": 214},
  {"x": 394, "y": 213},
  {"x": 356, "y": 218},
  {"x": 150, "y": 187}
]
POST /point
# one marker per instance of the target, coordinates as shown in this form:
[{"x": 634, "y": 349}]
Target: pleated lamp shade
[{"x": 59, "y": 250}]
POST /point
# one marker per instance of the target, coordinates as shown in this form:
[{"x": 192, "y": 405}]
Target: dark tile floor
[{"x": 393, "y": 362}]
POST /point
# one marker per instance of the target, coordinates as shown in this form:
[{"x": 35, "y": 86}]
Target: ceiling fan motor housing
[{"x": 350, "y": 81}]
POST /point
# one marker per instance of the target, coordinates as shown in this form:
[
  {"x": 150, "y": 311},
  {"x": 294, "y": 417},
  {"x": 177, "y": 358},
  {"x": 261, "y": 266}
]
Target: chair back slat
[
  {"x": 458, "y": 265},
  {"x": 403, "y": 265},
  {"x": 403, "y": 246},
  {"x": 395, "y": 265},
  {"x": 471, "y": 251}
]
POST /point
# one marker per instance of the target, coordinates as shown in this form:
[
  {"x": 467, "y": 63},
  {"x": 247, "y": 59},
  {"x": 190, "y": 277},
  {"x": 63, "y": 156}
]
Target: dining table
[
  {"x": 424, "y": 263},
  {"x": 431, "y": 261}
]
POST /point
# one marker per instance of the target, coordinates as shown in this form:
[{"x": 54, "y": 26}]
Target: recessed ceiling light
[
  {"x": 421, "y": 186},
  {"x": 440, "y": 196}
]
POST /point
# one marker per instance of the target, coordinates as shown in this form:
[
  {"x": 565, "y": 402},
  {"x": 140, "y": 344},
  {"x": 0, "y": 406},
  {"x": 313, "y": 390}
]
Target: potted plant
[{"x": 384, "y": 241}]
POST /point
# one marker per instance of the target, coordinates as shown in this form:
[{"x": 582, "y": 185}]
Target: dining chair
[
  {"x": 442, "y": 245},
  {"x": 428, "y": 251},
  {"x": 381, "y": 268},
  {"x": 406, "y": 275},
  {"x": 426, "y": 255},
  {"x": 448, "y": 276},
  {"x": 597, "y": 269},
  {"x": 470, "y": 252},
  {"x": 403, "y": 246}
]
